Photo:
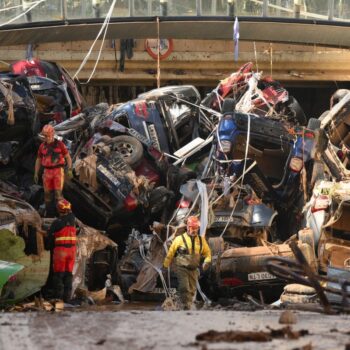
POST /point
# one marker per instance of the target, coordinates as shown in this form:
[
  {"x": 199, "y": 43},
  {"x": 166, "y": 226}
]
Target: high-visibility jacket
[
  {"x": 185, "y": 244},
  {"x": 52, "y": 154},
  {"x": 62, "y": 232},
  {"x": 63, "y": 240}
]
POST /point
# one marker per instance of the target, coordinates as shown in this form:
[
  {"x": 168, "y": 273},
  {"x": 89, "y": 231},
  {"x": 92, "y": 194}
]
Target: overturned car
[{"x": 22, "y": 246}]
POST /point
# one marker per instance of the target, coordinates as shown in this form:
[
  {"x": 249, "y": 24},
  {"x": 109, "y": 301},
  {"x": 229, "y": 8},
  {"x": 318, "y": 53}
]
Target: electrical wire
[
  {"x": 14, "y": 7},
  {"x": 104, "y": 27},
  {"x": 22, "y": 14}
]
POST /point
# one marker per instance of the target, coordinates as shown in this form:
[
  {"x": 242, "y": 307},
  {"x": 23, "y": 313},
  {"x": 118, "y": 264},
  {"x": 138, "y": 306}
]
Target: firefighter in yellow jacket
[{"x": 188, "y": 250}]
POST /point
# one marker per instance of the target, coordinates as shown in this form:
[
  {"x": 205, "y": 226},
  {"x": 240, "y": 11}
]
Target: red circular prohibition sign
[{"x": 166, "y": 47}]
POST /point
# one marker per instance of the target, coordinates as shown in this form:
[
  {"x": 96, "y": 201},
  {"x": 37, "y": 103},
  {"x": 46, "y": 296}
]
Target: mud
[{"x": 160, "y": 330}]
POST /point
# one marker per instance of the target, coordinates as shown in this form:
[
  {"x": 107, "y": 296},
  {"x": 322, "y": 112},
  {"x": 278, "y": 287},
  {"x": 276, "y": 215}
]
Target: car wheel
[{"x": 129, "y": 148}]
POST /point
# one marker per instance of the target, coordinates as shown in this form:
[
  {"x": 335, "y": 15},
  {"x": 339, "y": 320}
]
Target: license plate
[
  {"x": 224, "y": 219},
  {"x": 259, "y": 276},
  {"x": 153, "y": 135}
]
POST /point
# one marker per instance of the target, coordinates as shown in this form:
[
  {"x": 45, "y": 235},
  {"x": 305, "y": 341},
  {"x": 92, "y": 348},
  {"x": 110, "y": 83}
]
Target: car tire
[
  {"x": 129, "y": 148},
  {"x": 313, "y": 124}
]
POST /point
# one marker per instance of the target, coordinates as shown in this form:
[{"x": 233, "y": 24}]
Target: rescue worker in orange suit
[
  {"x": 52, "y": 155},
  {"x": 62, "y": 239},
  {"x": 188, "y": 249}
]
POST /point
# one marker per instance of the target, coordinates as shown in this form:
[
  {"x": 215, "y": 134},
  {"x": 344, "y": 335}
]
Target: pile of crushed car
[{"x": 263, "y": 178}]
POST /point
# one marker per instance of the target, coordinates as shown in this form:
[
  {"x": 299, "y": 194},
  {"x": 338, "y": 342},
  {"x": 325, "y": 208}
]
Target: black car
[{"x": 18, "y": 123}]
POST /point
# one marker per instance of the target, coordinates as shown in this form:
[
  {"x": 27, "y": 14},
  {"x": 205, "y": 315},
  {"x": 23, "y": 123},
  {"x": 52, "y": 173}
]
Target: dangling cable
[
  {"x": 23, "y": 13},
  {"x": 99, "y": 54},
  {"x": 104, "y": 25}
]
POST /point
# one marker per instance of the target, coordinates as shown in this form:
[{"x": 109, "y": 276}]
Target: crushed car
[
  {"x": 254, "y": 93},
  {"x": 57, "y": 94},
  {"x": 242, "y": 158},
  {"x": 22, "y": 248},
  {"x": 18, "y": 125}
]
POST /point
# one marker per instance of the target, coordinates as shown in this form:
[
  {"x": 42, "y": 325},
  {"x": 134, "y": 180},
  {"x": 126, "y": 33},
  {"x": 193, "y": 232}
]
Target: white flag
[{"x": 236, "y": 38}]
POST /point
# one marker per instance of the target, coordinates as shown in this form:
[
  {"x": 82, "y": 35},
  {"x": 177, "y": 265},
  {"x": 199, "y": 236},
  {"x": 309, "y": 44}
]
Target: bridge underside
[
  {"x": 316, "y": 55},
  {"x": 293, "y": 31}
]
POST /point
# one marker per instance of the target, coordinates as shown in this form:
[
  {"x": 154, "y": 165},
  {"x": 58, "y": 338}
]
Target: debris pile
[{"x": 271, "y": 187}]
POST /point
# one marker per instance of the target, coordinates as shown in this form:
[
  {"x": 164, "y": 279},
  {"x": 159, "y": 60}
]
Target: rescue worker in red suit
[
  {"x": 62, "y": 239},
  {"x": 52, "y": 155}
]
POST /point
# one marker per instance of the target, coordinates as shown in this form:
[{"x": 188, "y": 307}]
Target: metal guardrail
[{"x": 51, "y": 10}]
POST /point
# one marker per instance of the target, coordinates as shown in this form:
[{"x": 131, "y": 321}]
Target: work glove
[
  {"x": 205, "y": 266},
  {"x": 36, "y": 179},
  {"x": 69, "y": 174}
]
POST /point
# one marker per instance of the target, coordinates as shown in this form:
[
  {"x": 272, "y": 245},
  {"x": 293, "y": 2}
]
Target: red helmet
[
  {"x": 48, "y": 130},
  {"x": 193, "y": 222},
  {"x": 64, "y": 206}
]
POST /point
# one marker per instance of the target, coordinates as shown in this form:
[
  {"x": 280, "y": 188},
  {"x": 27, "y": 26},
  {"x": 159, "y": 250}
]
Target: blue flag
[{"x": 236, "y": 38}]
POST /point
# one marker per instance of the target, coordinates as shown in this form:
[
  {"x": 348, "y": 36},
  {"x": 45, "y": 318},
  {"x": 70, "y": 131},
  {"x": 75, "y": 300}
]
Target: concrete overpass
[
  {"x": 280, "y": 30},
  {"x": 302, "y": 43},
  {"x": 322, "y": 22}
]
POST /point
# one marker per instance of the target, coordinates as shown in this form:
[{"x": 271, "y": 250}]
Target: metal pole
[
  {"x": 26, "y": 4},
  {"x": 231, "y": 8},
  {"x": 213, "y": 7},
  {"x": 163, "y": 8},
  {"x": 330, "y": 10},
  {"x": 149, "y": 8},
  {"x": 131, "y": 8},
  {"x": 96, "y": 4},
  {"x": 265, "y": 8},
  {"x": 199, "y": 7},
  {"x": 297, "y": 8},
  {"x": 64, "y": 9}
]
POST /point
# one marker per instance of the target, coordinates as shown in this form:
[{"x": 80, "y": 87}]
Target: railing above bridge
[{"x": 24, "y": 11}]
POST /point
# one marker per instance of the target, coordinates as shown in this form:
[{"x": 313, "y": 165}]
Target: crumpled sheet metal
[
  {"x": 147, "y": 278},
  {"x": 86, "y": 169},
  {"x": 24, "y": 214},
  {"x": 29, "y": 219},
  {"x": 89, "y": 240}
]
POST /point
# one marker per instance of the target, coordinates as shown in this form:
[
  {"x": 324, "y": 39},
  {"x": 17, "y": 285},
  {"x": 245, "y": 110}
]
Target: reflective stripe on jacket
[
  {"x": 66, "y": 236},
  {"x": 63, "y": 232},
  {"x": 179, "y": 243}
]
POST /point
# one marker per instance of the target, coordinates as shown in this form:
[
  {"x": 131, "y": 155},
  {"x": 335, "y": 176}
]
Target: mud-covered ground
[{"x": 145, "y": 329}]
